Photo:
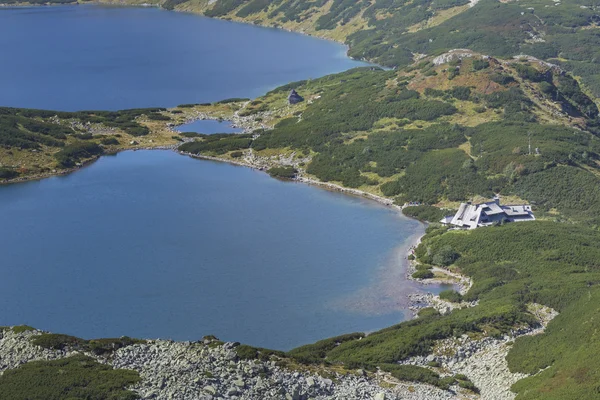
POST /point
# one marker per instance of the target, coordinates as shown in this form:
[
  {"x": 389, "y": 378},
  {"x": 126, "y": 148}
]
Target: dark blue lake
[
  {"x": 154, "y": 244},
  {"x": 99, "y": 57}
]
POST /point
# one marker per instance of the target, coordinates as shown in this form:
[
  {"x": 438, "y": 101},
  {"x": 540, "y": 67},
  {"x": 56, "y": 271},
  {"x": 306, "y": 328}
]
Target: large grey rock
[{"x": 380, "y": 396}]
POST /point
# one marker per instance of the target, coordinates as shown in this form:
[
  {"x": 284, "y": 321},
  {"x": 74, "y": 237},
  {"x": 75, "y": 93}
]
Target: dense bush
[
  {"x": 422, "y": 274},
  {"x": 97, "y": 346},
  {"x": 109, "y": 141},
  {"x": 314, "y": 353},
  {"x": 217, "y": 144},
  {"x": 425, "y": 213},
  {"x": 76, "y": 377},
  {"x": 75, "y": 152},
  {"x": 451, "y": 295},
  {"x": 479, "y": 64},
  {"x": 246, "y": 352},
  {"x": 283, "y": 172},
  {"x": 414, "y": 374},
  {"x": 8, "y": 173}
]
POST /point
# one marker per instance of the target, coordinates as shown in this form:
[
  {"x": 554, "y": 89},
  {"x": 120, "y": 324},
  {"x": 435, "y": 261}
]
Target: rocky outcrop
[
  {"x": 16, "y": 349},
  {"x": 197, "y": 371},
  {"x": 483, "y": 359},
  {"x": 212, "y": 370},
  {"x": 209, "y": 369}
]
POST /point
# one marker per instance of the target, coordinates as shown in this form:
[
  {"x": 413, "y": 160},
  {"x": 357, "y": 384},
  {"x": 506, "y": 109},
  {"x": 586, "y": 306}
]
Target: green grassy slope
[{"x": 75, "y": 377}]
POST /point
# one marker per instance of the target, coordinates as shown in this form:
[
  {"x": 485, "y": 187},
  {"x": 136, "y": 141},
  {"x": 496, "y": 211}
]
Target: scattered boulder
[{"x": 380, "y": 396}]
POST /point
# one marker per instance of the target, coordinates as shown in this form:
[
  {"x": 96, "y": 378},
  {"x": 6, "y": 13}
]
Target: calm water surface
[
  {"x": 208, "y": 126},
  {"x": 97, "y": 57},
  {"x": 154, "y": 244}
]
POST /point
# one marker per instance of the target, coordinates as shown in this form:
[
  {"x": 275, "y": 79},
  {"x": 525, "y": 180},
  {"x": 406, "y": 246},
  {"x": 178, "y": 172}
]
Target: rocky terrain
[{"x": 210, "y": 369}]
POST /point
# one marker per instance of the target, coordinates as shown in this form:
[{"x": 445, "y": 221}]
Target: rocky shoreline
[{"x": 209, "y": 369}]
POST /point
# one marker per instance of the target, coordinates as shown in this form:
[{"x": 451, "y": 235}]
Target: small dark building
[{"x": 294, "y": 97}]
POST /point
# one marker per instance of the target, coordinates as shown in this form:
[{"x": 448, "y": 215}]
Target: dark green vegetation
[
  {"x": 64, "y": 136},
  {"x": 283, "y": 172},
  {"x": 8, "y": 173},
  {"x": 26, "y": 128},
  {"x": 76, "y": 377},
  {"x": 73, "y": 153},
  {"x": 425, "y": 375},
  {"x": 426, "y": 213},
  {"x": 370, "y": 129},
  {"x": 246, "y": 352},
  {"x": 97, "y": 346},
  {"x": 217, "y": 144},
  {"x": 451, "y": 295}
]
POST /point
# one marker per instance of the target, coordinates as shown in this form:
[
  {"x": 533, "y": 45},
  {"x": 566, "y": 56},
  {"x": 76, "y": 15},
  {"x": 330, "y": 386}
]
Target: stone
[
  {"x": 239, "y": 382},
  {"x": 380, "y": 396},
  {"x": 310, "y": 381},
  {"x": 210, "y": 389},
  {"x": 233, "y": 391}
]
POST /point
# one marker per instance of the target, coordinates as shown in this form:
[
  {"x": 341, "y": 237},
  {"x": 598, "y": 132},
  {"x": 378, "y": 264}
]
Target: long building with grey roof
[{"x": 471, "y": 216}]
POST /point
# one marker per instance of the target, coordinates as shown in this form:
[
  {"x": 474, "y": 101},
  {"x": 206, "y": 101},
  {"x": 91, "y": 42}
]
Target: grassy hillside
[
  {"x": 37, "y": 143},
  {"x": 440, "y": 133}
]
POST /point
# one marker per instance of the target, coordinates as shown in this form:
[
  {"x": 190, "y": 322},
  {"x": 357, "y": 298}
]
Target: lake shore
[
  {"x": 460, "y": 282},
  {"x": 416, "y": 301}
]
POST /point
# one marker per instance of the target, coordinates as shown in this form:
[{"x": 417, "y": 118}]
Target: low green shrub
[
  {"x": 283, "y": 172},
  {"x": 109, "y": 141},
  {"x": 76, "y": 377},
  {"x": 414, "y": 373},
  {"x": 246, "y": 352},
  {"x": 451, "y": 295},
  {"x": 8, "y": 173},
  {"x": 425, "y": 213},
  {"x": 57, "y": 341},
  {"x": 22, "y": 328},
  {"x": 422, "y": 274}
]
